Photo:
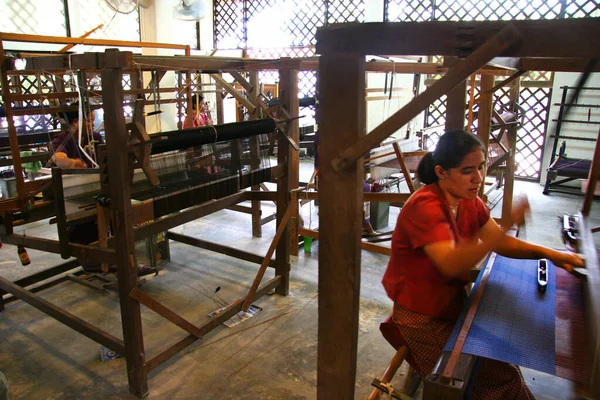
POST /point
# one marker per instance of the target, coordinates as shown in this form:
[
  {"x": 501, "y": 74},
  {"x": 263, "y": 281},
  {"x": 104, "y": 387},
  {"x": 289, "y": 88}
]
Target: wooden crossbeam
[
  {"x": 404, "y": 168},
  {"x": 239, "y": 78},
  {"x": 542, "y": 38},
  {"x": 209, "y": 325},
  {"x": 263, "y": 267},
  {"x": 165, "y": 312},
  {"x": 495, "y": 45},
  {"x": 232, "y": 91},
  {"x": 72, "y": 321}
]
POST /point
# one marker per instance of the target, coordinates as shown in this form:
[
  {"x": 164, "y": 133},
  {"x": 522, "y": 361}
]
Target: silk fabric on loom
[
  {"x": 518, "y": 324},
  {"x": 193, "y": 165}
]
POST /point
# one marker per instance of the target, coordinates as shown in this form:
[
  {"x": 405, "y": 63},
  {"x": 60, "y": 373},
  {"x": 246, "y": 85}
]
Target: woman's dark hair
[
  {"x": 451, "y": 149},
  {"x": 196, "y": 99}
]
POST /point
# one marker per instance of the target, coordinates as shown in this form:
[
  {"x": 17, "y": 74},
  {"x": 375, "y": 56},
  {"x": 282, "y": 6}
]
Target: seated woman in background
[
  {"x": 442, "y": 232},
  {"x": 201, "y": 113},
  {"x": 67, "y": 152}
]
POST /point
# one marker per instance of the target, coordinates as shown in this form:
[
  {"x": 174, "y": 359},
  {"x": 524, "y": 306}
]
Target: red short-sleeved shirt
[{"x": 411, "y": 278}]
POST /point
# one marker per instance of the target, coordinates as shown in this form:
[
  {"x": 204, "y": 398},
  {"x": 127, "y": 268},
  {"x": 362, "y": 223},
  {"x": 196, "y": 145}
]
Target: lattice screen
[
  {"x": 243, "y": 24},
  {"x": 229, "y": 24},
  {"x": 40, "y": 17},
  {"x": 530, "y": 138},
  {"x": 478, "y": 10}
]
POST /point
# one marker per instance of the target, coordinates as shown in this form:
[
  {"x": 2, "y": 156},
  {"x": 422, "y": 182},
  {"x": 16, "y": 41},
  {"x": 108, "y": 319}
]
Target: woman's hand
[{"x": 566, "y": 260}]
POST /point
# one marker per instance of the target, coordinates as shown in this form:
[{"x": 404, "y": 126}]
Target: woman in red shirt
[{"x": 442, "y": 231}]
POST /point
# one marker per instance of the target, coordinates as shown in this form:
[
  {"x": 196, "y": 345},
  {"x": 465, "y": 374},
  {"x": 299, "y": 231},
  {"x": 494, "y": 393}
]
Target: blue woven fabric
[{"x": 514, "y": 323}]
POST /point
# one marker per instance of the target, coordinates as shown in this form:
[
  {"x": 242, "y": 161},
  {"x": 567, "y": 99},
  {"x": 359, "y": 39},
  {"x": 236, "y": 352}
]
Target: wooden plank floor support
[
  {"x": 341, "y": 76},
  {"x": 491, "y": 48},
  {"x": 72, "y": 321},
  {"x": 120, "y": 194}
]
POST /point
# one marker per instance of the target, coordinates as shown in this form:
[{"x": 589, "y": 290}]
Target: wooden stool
[{"x": 381, "y": 385}]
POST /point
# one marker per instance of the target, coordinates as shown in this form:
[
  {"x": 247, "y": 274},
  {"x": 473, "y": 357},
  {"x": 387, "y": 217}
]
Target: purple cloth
[{"x": 70, "y": 148}]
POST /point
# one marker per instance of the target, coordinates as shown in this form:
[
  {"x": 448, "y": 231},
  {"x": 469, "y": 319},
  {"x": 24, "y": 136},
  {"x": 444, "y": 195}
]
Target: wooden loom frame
[
  {"x": 541, "y": 45},
  {"x": 111, "y": 65}
]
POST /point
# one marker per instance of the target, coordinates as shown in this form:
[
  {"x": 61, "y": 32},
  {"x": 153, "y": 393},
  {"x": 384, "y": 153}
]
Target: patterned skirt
[{"x": 425, "y": 337}]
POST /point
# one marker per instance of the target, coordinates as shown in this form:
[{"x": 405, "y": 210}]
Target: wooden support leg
[
  {"x": 484, "y": 121},
  {"x": 509, "y": 177},
  {"x": 592, "y": 178},
  {"x": 455, "y": 108},
  {"x": 341, "y": 76},
  {"x": 120, "y": 193},
  {"x": 288, "y": 90},
  {"x": 255, "y": 155}
]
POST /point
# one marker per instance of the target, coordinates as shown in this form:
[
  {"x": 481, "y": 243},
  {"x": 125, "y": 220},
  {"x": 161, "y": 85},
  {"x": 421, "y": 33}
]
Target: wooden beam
[
  {"x": 219, "y": 248},
  {"x": 81, "y": 251},
  {"x": 165, "y": 312},
  {"x": 85, "y": 35},
  {"x": 239, "y": 78},
  {"x": 120, "y": 193},
  {"x": 455, "y": 107},
  {"x": 502, "y": 40},
  {"x": 592, "y": 179},
  {"x": 17, "y": 37},
  {"x": 188, "y": 215},
  {"x": 484, "y": 117},
  {"x": 509, "y": 174},
  {"x": 232, "y": 91},
  {"x": 542, "y": 38},
  {"x": 253, "y": 90},
  {"x": 404, "y": 168},
  {"x": 72, "y": 321},
  {"x": 556, "y": 64},
  {"x": 290, "y": 107},
  {"x": 288, "y": 159},
  {"x": 209, "y": 325},
  {"x": 281, "y": 228},
  {"x": 262, "y": 196},
  {"x": 341, "y": 76}
]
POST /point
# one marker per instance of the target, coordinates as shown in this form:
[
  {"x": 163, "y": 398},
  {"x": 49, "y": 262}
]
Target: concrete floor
[{"x": 44, "y": 359}]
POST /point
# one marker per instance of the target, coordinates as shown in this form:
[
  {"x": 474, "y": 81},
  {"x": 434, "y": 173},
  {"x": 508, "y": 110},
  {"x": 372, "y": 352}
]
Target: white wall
[{"x": 575, "y": 149}]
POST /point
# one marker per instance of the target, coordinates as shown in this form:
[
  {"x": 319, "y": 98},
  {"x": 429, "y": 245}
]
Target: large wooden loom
[
  {"x": 122, "y": 150},
  {"x": 560, "y": 45}
]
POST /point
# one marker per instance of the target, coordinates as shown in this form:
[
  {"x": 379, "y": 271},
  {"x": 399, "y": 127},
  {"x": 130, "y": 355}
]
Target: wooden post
[
  {"x": 484, "y": 118},
  {"x": 289, "y": 99},
  {"x": 188, "y": 90},
  {"x": 342, "y": 85},
  {"x": 509, "y": 176},
  {"x": 12, "y": 130},
  {"x": 471, "y": 102},
  {"x": 219, "y": 105},
  {"x": 288, "y": 95},
  {"x": 255, "y": 154},
  {"x": 456, "y": 100},
  {"x": 120, "y": 193},
  {"x": 592, "y": 178}
]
